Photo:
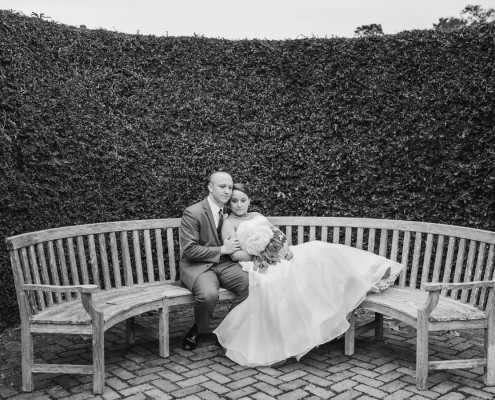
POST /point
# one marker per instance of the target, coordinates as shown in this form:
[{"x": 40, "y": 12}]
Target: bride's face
[{"x": 239, "y": 202}]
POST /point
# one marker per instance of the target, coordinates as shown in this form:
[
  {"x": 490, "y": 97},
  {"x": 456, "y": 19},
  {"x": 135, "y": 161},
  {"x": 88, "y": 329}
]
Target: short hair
[
  {"x": 210, "y": 177},
  {"x": 242, "y": 187}
]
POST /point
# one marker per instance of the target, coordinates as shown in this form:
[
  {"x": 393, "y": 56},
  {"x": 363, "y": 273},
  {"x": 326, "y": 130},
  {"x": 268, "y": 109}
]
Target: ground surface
[{"x": 376, "y": 371}]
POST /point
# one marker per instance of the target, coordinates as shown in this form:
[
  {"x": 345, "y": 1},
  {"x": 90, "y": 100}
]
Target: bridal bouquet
[{"x": 265, "y": 245}]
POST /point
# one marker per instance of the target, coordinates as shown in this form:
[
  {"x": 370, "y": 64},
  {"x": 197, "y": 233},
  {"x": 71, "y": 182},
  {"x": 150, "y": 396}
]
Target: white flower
[{"x": 257, "y": 241}]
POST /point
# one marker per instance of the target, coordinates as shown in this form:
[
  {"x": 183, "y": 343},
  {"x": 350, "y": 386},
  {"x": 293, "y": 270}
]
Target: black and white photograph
[{"x": 247, "y": 200}]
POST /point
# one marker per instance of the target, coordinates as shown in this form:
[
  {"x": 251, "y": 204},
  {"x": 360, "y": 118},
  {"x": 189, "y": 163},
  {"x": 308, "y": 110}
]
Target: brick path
[{"x": 376, "y": 371}]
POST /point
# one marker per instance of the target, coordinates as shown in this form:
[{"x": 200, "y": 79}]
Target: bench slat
[
  {"x": 115, "y": 260},
  {"x": 53, "y": 269},
  {"x": 137, "y": 256},
  {"x": 360, "y": 238},
  {"x": 104, "y": 261},
  {"x": 324, "y": 233},
  {"x": 415, "y": 262},
  {"x": 489, "y": 275},
  {"x": 447, "y": 269},
  {"x": 93, "y": 260},
  {"x": 288, "y": 234},
  {"x": 382, "y": 250},
  {"x": 63, "y": 266},
  {"x": 469, "y": 269},
  {"x": 312, "y": 233},
  {"x": 126, "y": 259},
  {"x": 427, "y": 258},
  {"x": 300, "y": 234},
  {"x": 149, "y": 257},
  {"x": 371, "y": 240},
  {"x": 44, "y": 272},
  {"x": 405, "y": 256},
  {"x": 82, "y": 260},
  {"x": 348, "y": 236},
  {"x": 159, "y": 250},
  {"x": 36, "y": 276},
  {"x": 478, "y": 273},
  {"x": 438, "y": 258},
  {"x": 395, "y": 245},
  {"x": 336, "y": 234},
  {"x": 72, "y": 263},
  {"x": 458, "y": 265},
  {"x": 171, "y": 253}
]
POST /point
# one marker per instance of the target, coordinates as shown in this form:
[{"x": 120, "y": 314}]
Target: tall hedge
[{"x": 102, "y": 126}]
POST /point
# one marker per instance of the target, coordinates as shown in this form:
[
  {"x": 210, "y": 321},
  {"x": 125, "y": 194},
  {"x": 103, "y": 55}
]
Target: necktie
[{"x": 220, "y": 222}]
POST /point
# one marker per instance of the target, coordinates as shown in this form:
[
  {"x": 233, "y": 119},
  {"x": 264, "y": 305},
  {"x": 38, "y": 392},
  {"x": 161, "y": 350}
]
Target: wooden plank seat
[
  {"x": 87, "y": 278},
  {"x": 404, "y": 303}
]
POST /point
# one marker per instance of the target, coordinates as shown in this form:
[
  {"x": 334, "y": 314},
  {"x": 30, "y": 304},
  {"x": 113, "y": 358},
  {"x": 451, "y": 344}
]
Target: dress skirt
[{"x": 301, "y": 303}]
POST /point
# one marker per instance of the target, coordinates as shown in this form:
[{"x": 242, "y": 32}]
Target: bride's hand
[{"x": 288, "y": 255}]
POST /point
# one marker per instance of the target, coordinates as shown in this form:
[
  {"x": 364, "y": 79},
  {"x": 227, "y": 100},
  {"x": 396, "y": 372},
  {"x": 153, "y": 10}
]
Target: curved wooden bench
[{"x": 85, "y": 279}]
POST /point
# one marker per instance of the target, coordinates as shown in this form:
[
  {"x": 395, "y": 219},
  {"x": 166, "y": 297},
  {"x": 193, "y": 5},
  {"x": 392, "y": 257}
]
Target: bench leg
[
  {"x": 129, "y": 331},
  {"x": 27, "y": 359},
  {"x": 350, "y": 335},
  {"x": 379, "y": 327},
  {"x": 98, "y": 354},
  {"x": 490, "y": 349},
  {"x": 422, "y": 352},
  {"x": 163, "y": 331}
]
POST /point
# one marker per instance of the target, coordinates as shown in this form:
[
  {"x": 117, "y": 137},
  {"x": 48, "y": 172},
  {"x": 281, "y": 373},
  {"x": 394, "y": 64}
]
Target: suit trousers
[{"x": 226, "y": 274}]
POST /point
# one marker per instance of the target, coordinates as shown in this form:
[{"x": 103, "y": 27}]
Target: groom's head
[{"x": 220, "y": 187}]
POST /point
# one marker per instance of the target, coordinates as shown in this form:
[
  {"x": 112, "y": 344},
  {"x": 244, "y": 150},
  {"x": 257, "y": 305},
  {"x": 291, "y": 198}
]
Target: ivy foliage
[{"x": 102, "y": 126}]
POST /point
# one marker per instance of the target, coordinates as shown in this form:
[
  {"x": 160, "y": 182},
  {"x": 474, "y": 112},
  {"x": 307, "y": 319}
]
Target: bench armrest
[
  {"x": 436, "y": 286},
  {"x": 57, "y": 288}
]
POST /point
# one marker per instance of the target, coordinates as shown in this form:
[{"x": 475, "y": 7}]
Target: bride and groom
[{"x": 278, "y": 312}]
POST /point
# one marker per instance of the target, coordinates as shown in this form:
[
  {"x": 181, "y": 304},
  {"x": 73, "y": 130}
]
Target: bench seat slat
[
  {"x": 114, "y": 302},
  {"x": 110, "y": 302},
  {"x": 408, "y": 301}
]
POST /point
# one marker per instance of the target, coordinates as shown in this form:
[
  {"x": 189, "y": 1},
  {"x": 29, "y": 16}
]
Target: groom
[{"x": 205, "y": 264}]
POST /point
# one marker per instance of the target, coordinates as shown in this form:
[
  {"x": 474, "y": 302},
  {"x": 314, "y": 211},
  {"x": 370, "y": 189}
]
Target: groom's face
[{"x": 220, "y": 188}]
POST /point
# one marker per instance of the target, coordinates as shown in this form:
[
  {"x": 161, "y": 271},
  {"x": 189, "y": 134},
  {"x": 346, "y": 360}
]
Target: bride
[{"x": 299, "y": 302}]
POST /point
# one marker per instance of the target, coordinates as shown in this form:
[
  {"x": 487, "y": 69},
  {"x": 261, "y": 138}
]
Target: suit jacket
[{"x": 199, "y": 242}]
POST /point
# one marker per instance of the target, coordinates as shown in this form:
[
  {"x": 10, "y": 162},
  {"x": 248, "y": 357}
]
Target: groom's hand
[{"x": 230, "y": 246}]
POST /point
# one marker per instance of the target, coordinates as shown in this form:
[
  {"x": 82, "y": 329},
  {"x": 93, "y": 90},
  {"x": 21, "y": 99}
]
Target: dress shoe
[{"x": 191, "y": 339}]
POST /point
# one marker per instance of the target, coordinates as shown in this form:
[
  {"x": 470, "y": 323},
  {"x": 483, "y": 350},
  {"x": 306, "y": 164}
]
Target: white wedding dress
[{"x": 296, "y": 305}]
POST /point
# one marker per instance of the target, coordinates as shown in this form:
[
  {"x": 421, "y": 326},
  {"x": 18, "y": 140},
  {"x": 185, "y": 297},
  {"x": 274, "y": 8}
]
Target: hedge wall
[{"x": 102, "y": 126}]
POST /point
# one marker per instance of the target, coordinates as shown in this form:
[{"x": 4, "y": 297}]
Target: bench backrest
[{"x": 117, "y": 254}]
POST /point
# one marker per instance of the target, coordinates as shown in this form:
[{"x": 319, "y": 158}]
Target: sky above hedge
[{"x": 263, "y": 19}]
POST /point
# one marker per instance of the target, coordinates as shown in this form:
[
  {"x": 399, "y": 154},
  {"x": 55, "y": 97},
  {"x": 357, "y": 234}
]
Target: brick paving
[{"x": 378, "y": 370}]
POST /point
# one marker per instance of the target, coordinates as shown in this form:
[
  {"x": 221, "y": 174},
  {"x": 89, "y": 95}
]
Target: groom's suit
[{"x": 202, "y": 268}]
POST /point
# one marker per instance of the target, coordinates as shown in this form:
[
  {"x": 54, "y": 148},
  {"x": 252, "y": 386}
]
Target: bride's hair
[{"x": 242, "y": 187}]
